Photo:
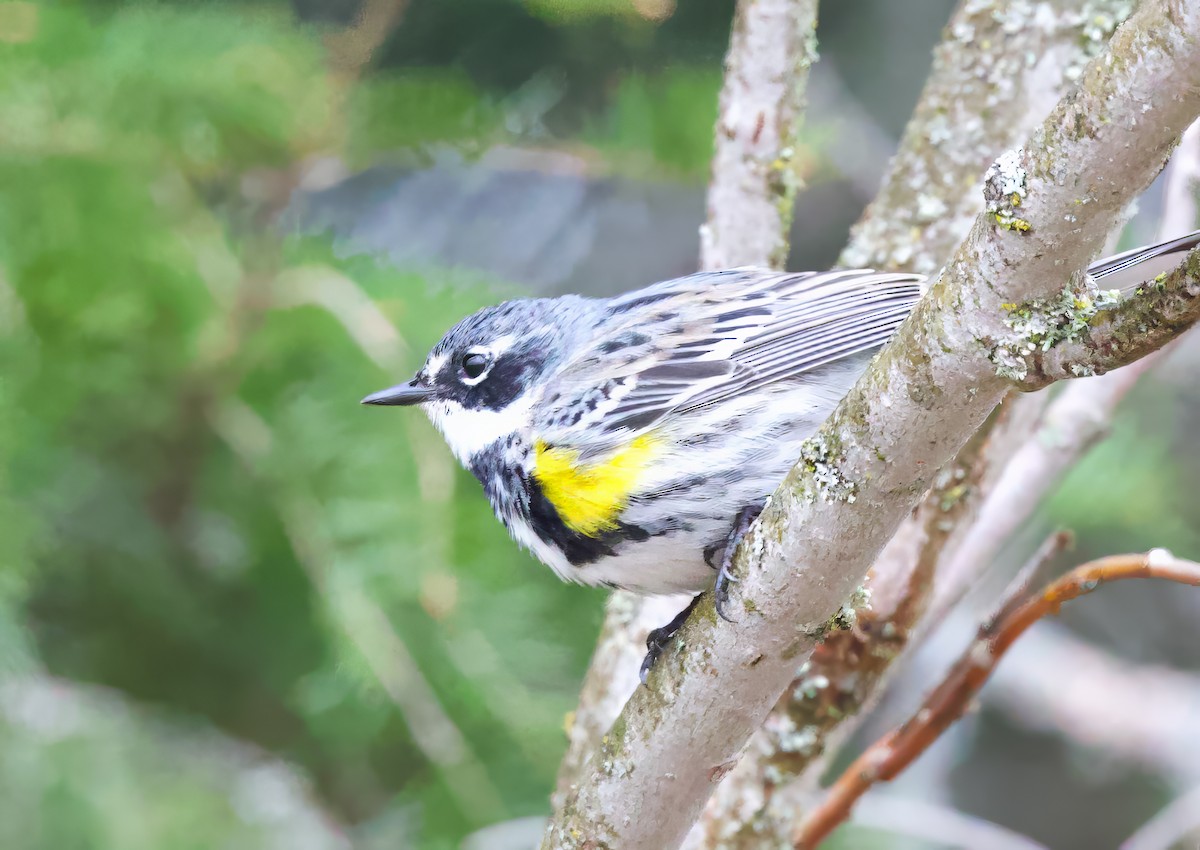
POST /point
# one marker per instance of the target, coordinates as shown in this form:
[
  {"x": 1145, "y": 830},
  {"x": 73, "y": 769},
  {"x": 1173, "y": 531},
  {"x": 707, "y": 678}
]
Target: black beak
[{"x": 401, "y": 394}]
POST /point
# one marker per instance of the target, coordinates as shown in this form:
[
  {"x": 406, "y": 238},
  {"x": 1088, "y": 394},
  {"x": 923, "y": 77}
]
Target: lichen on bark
[{"x": 999, "y": 69}]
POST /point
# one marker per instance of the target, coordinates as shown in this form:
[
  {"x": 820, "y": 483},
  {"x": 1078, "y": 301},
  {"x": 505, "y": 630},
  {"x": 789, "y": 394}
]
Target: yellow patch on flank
[{"x": 590, "y": 497}]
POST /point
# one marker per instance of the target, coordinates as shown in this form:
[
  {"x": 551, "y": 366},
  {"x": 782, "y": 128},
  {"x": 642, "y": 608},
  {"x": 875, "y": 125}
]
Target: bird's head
[{"x": 480, "y": 383}]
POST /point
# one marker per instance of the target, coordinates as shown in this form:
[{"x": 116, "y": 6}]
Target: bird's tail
[{"x": 1130, "y": 269}]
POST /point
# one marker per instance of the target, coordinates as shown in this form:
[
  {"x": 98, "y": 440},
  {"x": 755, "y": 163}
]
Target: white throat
[{"x": 469, "y": 432}]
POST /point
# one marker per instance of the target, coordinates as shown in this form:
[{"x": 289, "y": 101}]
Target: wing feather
[{"x": 691, "y": 342}]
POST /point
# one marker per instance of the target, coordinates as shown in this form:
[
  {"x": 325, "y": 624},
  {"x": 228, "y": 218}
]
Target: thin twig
[{"x": 887, "y": 757}]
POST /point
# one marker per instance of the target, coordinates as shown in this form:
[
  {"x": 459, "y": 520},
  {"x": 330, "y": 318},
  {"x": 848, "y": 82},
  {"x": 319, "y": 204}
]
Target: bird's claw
[
  {"x": 725, "y": 576},
  {"x": 721, "y": 590},
  {"x": 656, "y": 643},
  {"x": 658, "y": 639}
]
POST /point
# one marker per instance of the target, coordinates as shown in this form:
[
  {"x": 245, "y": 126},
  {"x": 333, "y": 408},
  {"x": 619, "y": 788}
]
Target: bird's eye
[{"x": 474, "y": 365}]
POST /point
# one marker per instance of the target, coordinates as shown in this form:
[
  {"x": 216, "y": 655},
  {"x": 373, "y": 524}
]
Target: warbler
[{"x": 630, "y": 441}]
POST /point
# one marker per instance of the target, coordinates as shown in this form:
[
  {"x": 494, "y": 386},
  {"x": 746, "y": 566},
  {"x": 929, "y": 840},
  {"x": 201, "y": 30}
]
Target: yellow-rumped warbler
[{"x": 630, "y": 441}]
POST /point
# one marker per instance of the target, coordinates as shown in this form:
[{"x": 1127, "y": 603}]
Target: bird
[{"x": 631, "y": 441}]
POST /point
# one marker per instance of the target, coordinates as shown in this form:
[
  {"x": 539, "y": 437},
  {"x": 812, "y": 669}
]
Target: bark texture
[
  {"x": 756, "y": 168},
  {"x": 1000, "y": 68}
]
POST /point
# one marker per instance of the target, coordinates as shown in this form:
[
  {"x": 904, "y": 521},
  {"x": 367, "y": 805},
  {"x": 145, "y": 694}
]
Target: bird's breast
[{"x": 590, "y": 496}]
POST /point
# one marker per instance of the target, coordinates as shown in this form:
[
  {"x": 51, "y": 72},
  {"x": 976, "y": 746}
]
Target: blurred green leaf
[
  {"x": 663, "y": 120},
  {"x": 412, "y": 109}
]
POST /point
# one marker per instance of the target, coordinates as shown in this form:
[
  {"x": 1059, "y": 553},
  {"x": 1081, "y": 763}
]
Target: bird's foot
[
  {"x": 658, "y": 639},
  {"x": 741, "y": 525}
]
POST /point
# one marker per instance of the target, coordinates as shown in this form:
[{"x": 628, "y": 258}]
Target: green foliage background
[
  {"x": 215, "y": 565},
  {"x": 237, "y": 610},
  {"x": 197, "y": 516}
]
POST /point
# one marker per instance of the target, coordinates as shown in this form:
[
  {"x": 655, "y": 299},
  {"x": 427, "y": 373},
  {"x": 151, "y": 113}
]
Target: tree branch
[
  {"x": 756, "y": 173},
  {"x": 984, "y": 76},
  {"x": 1000, "y": 68},
  {"x": 1139, "y": 325},
  {"x": 930, "y": 388},
  {"x": 887, "y": 757}
]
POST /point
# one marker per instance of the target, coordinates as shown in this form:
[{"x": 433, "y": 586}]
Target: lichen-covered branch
[
  {"x": 1096, "y": 340},
  {"x": 753, "y": 188},
  {"x": 756, "y": 172},
  {"x": 999, "y": 70},
  {"x": 752, "y": 808},
  {"x": 887, "y": 757},
  {"x": 918, "y": 403}
]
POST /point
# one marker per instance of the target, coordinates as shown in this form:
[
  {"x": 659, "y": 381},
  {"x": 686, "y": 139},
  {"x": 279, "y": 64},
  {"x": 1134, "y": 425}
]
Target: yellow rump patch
[{"x": 590, "y": 497}]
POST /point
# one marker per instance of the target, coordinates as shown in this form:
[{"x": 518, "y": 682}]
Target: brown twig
[{"x": 890, "y": 755}]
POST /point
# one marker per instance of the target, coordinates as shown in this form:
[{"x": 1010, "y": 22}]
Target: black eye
[{"x": 474, "y": 365}]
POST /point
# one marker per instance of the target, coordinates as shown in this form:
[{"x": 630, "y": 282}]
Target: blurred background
[{"x": 239, "y": 611}]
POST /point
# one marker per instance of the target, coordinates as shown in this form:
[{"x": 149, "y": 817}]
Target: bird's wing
[
  {"x": 683, "y": 344},
  {"x": 1129, "y": 269}
]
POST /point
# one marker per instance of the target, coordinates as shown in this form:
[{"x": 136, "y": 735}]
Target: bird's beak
[{"x": 401, "y": 394}]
